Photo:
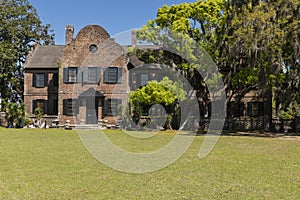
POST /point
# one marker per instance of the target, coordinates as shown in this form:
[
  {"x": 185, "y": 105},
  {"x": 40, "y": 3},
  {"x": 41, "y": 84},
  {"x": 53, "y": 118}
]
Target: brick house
[
  {"x": 82, "y": 81},
  {"x": 88, "y": 80}
]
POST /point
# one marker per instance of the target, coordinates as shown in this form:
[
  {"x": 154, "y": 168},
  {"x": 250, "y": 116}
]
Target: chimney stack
[
  {"x": 133, "y": 38},
  {"x": 69, "y": 34}
]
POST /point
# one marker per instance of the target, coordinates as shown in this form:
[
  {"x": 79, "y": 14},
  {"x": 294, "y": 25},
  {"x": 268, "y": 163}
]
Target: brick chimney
[
  {"x": 69, "y": 34},
  {"x": 133, "y": 38}
]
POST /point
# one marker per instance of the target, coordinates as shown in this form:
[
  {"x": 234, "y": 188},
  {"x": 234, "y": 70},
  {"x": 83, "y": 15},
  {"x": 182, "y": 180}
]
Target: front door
[{"x": 91, "y": 111}]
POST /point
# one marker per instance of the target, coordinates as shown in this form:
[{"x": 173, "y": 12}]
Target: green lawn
[{"x": 53, "y": 164}]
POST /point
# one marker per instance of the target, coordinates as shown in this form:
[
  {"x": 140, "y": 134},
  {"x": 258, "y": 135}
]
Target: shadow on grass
[{"x": 251, "y": 133}]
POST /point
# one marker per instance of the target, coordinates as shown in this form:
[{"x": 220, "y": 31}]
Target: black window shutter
[
  {"x": 105, "y": 107},
  {"x": 98, "y": 69},
  {"x": 33, "y": 80},
  {"x": 45, "y": 79},
  {"x": 241, "y": 109},
  {"x": 65, "y": 74},
  {"x": 79, "y": 75},
  {"x": 106, "y": 75},
  {"x": 119, "y": 107},
  {"x": 65, "y": 107},
  {"x": 249, "y": 109},
  {"x": 119, "y": 75},
  {"x": 85, "y": 75},
  {"x": 34, "y": 105}
]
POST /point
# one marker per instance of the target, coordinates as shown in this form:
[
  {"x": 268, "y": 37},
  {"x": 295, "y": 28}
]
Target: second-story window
[
  {"x": 72, "y": 75},
  {"x": 113, "y": 75},
  {"x": 40, "y": 80},
  {"x": 91, "y": 75}
]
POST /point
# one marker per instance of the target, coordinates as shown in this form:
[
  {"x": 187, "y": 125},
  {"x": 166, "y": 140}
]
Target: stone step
[{"x": 87, "y": 127}]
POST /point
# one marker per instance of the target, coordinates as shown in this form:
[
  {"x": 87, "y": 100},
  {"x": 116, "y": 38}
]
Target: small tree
[
  {"x": 15, "y": 114},
  {"x": 39, "y": 114},
  {"x": 165, "y": 93}
]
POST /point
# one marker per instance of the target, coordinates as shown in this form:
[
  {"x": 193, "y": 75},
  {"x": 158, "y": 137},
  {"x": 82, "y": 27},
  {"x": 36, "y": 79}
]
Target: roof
[
  {"x": 44, "y": 56},
  {"x": 133, "y": 59},
  {"x": 91, "y": 92}
]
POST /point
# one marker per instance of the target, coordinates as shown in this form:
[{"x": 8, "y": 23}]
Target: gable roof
[{"x": 44, "y": 56}]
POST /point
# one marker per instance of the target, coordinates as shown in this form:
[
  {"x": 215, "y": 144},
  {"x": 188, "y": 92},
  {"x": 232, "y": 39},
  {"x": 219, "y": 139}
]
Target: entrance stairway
[{"x": 87, "y": 127}]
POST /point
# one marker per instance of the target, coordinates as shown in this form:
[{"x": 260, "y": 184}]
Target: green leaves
[
  {"x": 20, "y": 28},
  {"x": 254, "y": 43},
  {"x": 164, "y": 92},
  {"x": 15, "y": 113}
]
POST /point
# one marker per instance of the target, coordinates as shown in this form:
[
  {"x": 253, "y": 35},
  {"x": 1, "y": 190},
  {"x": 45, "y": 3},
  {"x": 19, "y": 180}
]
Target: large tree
[
  {"x": 20, "y": 28},
  {"x": 255, "y": 43}
]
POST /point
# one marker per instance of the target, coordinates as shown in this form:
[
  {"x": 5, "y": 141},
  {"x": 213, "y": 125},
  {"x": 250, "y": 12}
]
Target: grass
[{"x": 53, "y": 164}]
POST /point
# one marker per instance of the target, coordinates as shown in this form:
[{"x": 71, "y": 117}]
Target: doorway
[{"x": 92, "y": 111}]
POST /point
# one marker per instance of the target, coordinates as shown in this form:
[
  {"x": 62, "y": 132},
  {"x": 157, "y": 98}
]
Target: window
[
  {"x": 144, "y": 79},
  {"x": 255, "y": 109},
  {"x": 91, "y": 75},
  {"x": 93, "y": 48},
  {"x": 70, "y": 107},
  {"x": 39, "y": 103},
  {"x": 113, "y": 75},
  {"x": 40, "y": 80},
  {"x": 235, "y": 109},
  {"x": 112, "y": 106},
  {"x": 72, "y": 75}
]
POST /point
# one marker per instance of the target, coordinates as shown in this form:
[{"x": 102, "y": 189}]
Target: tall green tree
[
  {"x": 255, "y": 43},
  {"x": 201, "y": 22},
  {"x": 20, "y": 28}
]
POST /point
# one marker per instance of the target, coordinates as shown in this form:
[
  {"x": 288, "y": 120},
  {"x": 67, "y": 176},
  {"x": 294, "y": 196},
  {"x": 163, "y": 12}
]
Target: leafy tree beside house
[
  {"x": 20, "y": 28},
  {"x": 165, "y": 93},
  {"x": 254, "y": 43}
]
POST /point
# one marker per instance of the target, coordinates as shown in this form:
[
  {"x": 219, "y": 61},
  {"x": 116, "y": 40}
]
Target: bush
[{"x": 15, "y": 114}]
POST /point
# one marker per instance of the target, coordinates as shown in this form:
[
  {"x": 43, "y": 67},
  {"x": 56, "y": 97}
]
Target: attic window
[{"x": 93, "y": 48}]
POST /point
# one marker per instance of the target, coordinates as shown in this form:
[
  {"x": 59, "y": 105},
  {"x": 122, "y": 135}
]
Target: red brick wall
[
  {"x": 33, "y": 93},
  {"x": 77, "y": 54}
]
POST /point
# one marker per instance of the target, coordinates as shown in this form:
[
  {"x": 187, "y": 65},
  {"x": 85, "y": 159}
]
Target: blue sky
[{"x": 118, "y": 17}]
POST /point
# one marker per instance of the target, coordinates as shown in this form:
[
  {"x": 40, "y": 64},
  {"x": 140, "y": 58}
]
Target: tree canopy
[
  {"x": 20, "y": 28},
  {"x": 165, "y": 92},
  {"x": 255, "y": 43}
]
